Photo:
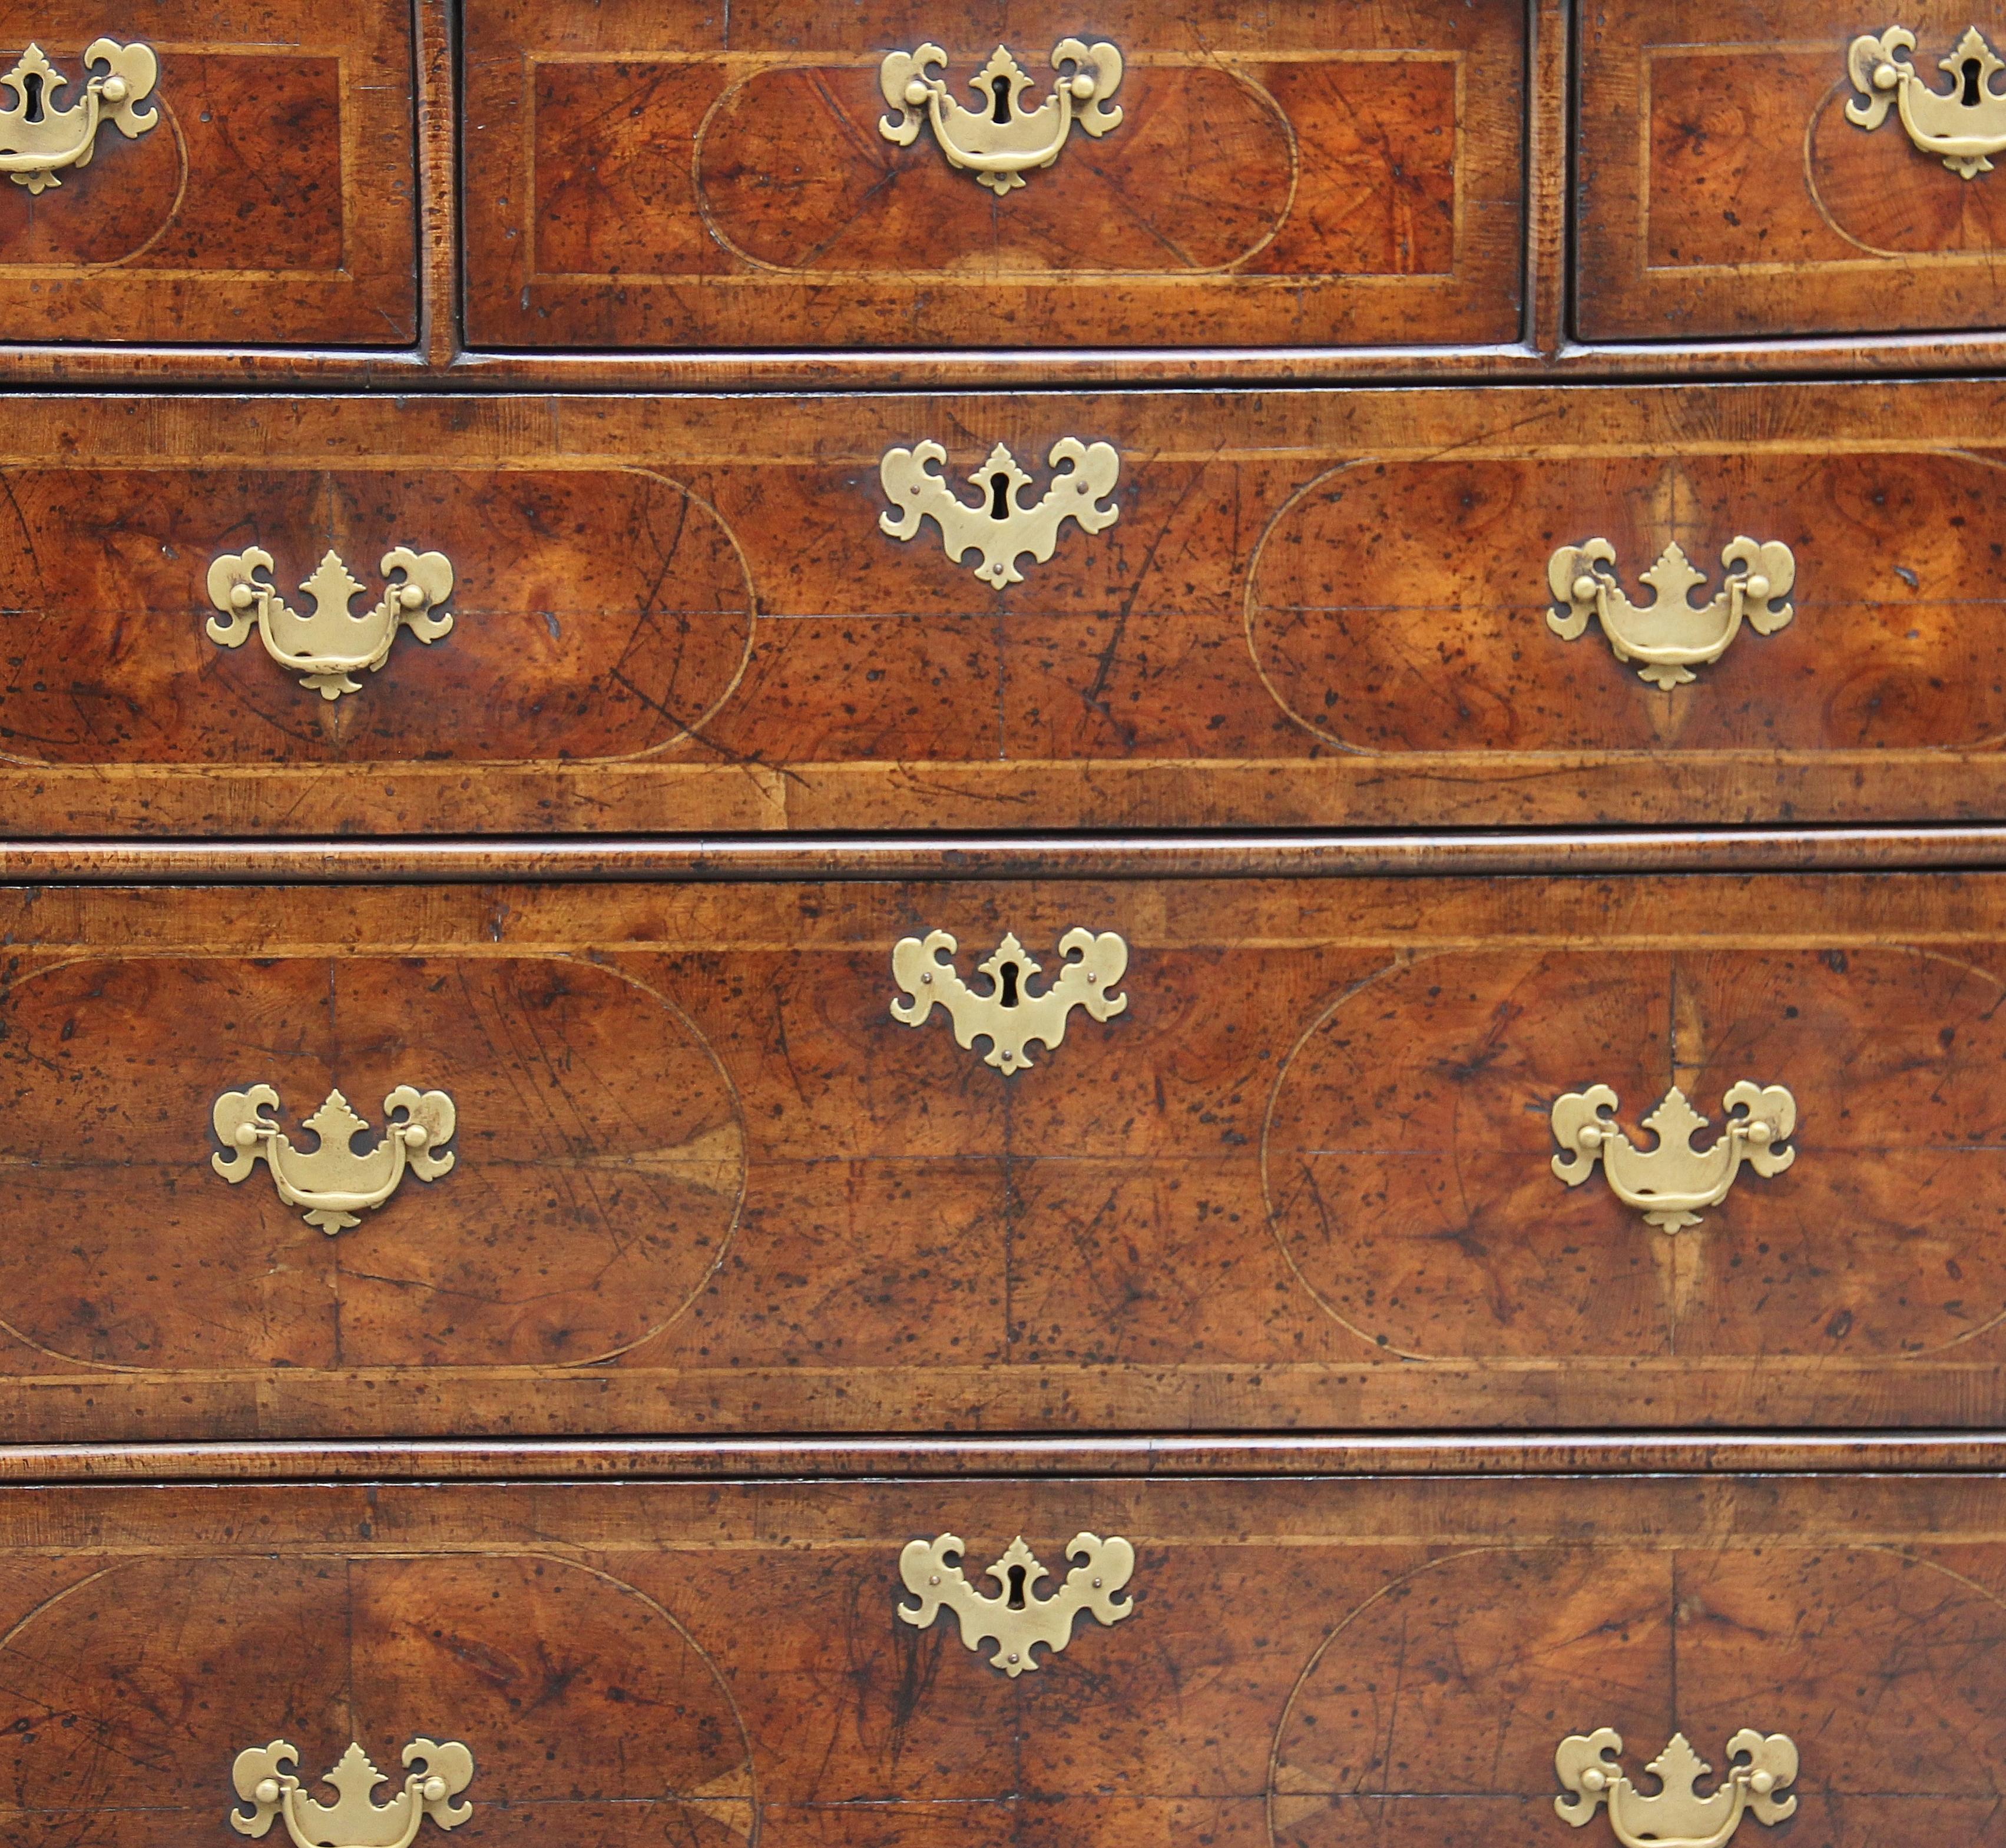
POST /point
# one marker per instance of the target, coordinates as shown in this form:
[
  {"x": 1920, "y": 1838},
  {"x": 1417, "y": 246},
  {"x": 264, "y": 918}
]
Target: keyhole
[
  {"x": 1000, "y": 89},
  {"x": 31, "y": 94},
  {"x": 1973, "y": 70},
  {"x": 999, "y": 497},
  {"x": 1007, "y": 976},
  {"x": 1016, "y": 1588}
]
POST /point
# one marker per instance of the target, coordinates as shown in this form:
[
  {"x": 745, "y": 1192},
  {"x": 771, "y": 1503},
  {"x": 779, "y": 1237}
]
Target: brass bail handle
[
  {"x": 1760, "y": 1768},
  {"x": 1671, "y": 635},
  {"x": 267, "y": 1778},
  {"x": 1963, "y": 126},
  {"x": 1000, "y": 140},
  {"x": 331, "y": 1183},
  {"x": 1672, "y": 1183},
  {"x": 328, "y": 649},
  {"x": 41, "y": 139}
]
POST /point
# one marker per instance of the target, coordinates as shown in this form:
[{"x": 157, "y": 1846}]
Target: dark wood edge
[
  {"x": 451, "y": 369},
  {"x": 1086, "y": 857},
  {"x": 1570, "y": 1454}
]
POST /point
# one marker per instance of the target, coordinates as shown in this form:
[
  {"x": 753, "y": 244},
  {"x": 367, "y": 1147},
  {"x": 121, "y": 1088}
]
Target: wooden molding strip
[
  {"x": 1569, "y": 1455},
  {"x": 438, "y": 368},
  {"x": 762, "y": 858}
]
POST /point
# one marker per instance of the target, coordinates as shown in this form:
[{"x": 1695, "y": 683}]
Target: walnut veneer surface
[
  {"x": 1305, "y": 1662},
  {"x": 596, "y": 1450},
  {"x": 1314, "y": 609},
  {"x": 275, "y": 202},
  {"x": 706, "y": 1182}
]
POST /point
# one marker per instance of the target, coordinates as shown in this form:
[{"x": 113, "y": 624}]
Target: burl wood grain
[
  {"x": 275, "y": 202},
  {"x": 1309, "y": 1662},
  {"x": 707, "y": 1185},
  {"x": 1315, "y": 609},
  {"x": 1723, "y": 192},
  {"x": 640, "y": 176}
]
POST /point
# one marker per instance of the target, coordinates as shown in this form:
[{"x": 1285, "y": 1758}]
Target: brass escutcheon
[
  {"x": 999, "y": 140},
  {"x": 1670, "y": 1184},
  {"x": 998, "y": 524},
  {"x": 1964, "y": 126},
  {"x": 1009, "y": 1016},
  {"x": 356, "y": 1820},
  {"x": 1018, "y": 1620},
  {"x": 1677, "y": 1816},
  {"x": 1671, "y": 635},
  {"x": 38, "y": 140},
  {"x": 327, "y": 649},
  {"x": 331, "y": 1181}
]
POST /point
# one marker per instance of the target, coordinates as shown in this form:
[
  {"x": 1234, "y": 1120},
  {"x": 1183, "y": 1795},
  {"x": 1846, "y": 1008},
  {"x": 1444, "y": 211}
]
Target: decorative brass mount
[
  {"x": 1965, "y": 126},
  {"x": 1677, "y": 1816},
  {"x": 1000, "y": 141},
  {"x": 1669, "y": 635},
  {"x": 332, "y": 645},
  {"x": 332, "y": 1181},
  {"x": 1009, "y": 1015},
  {"x": 37, "y": 140},
  {"x": 1019, "y": 1620},
  {"x": 357, "y": 1820},
  {"x": 999, "y": 526},
  {"x": 1670, "y": 1183}
]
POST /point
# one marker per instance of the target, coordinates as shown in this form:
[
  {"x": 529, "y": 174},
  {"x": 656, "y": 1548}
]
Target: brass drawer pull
[
  {"x": 1010, "y": 1016},
  {"x": 37, "y": 140},
  {"x": 1670, "y": 634},
  {"x": 330, "y": 646},
  {"x": 332, "y": 1181},
  {"x": 357, "y": 1820},
  {"x": 1677, "y": 1816},
  {"x": 1018, "y": 1620},
  {"x": 1000, "y": 141},
  {"x": 1670, "y": 1183},
  {"x": 1964, "y": 125},
  {"x": 999, "y": 526}
]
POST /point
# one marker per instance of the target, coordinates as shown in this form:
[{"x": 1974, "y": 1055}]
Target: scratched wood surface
[
  {"x": 275, "y": 202},
  {"x": 1314, "y": 609},
  {"x": 707, "y": 1185},
  {"x": 1307, "y": 1662},
  {"x": 643, "y": 175},
  {"x": 1724, "y": 192}
]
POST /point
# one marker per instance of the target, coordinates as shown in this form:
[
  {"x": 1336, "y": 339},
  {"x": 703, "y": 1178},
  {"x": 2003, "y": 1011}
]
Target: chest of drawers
[{"x": 1000, "y": 925}]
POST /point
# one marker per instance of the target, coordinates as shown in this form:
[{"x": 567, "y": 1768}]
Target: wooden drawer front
[
  {"x": 703, "y": 1180},
  {"x": 1308, "y": 609},
  {"x": 1309, "y": 1662},
  {"x": 660, "y": 176},
  {"x": 1726, "y": 191},
  {"x": 271, "y": 201}
]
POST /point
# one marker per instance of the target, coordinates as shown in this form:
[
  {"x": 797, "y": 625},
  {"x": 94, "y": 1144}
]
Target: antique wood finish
[
  {"x": 1309, "y": 1662},
  {"x": 275, "y": 204},
  {"x": 1722, "y": 191},
  {"x": 706, "y": 1184},
  {"x": 639, "y": 175},
  {"x": 1314, "y": 609}
]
